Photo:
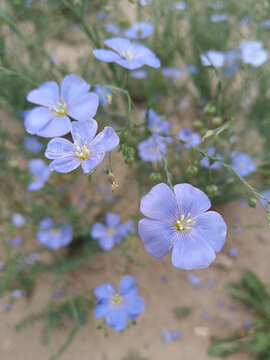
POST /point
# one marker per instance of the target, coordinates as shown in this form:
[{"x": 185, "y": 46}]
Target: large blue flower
[
  {"x": 40, "y": 172},
  {"x": 177, "y": 221},
  {"x": 111, "y": 233},
  {"x": 242, "y": 163},
  {"x": 118, "y": 306},
  {"x": 51, "y": 118},
  {"x": 54, "y": 237},
  {"x": 127, "y": 54},
  {"x": 87, "y": 150}
]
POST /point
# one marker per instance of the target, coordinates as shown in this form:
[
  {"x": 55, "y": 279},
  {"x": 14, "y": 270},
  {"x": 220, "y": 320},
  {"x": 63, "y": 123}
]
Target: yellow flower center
[
  {"x": 116, "y": 299},
  {"x": 184, "y": 223},
  {"x": 111, "y": 231},
  {"x": 82, "y": 152},
  {"x": 56, "y": 232},
  {"x": 61, "y": 108}
]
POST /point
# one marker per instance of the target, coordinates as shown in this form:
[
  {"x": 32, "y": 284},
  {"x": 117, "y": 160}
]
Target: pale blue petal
[
  {"x": 191, "y": 199},
  {"x": 211, "y": 228},
  {"x": 46, "y": 95},
  {"x": 35, "y": 185},
  {"x": 118, "y": 44},
  {"x": 65, "y": 164},
  {"x": 106, "y": 140},
  {"x": 158, "y": 236},
  {"x": 37, "y": 118},
  {"x": 131, "y": 64},
  {"x": 58, "y": 126},
  {"x": 105, "y": 55},
  {"x": 112, "y": 220},
  {"x": 102, "y": 308},
  {"x": 134, "y": 306},
  {"x": 192, "y": 253},
  {"x": 127, "y": 286},
  {"x": 98, "y": 230},
  {"x": 36, "y": 166},
  {"x": 160, "y": 203},
  {"x": 72, "y": 87},
  {"x": 84, "y": 107},
  {"x": 104, "y": 291},
  {"x": 84, "y": 131},
  {"x": 106, "y": 243},
  {"x": 117, "y": 319},
  {"x": 58, "y": 148},
  {"x": 93, "y": 161}
]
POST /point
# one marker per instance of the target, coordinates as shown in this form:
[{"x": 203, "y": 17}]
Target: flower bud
[
  {"x": 192, "y": 170},
  {"x": 209, "y": 110},
  {"x": 211, "y": 189},
  {"x": 217, "y": 121},
  {"x": 155, "y": 177},
  {"x": 252, "y": 202}
]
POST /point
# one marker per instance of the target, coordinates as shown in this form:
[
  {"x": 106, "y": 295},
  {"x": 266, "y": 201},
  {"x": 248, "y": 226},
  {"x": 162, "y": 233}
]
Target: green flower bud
[
  {"x": 252, "y": 202},
  {"x": 192, "y": 170},
  {"x": 155, "y": 177},
  {"x": 198, "y": 124},
  {"x": 209, "y": 110},
  {"x": 211, "y": 189},
  {"x": 217, "y": 121}
]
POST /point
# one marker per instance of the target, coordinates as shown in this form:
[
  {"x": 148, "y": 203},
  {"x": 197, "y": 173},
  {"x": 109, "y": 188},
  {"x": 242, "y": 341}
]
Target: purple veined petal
[
  {"x": 118, "y": 44},
  {"x": 83, "y": 107},
  {"x": 134, "y": 306},
  {"x": 102, "y": 308},
  {"x": 160, "y": 203},
  {"x": 211, "y": 228},
  {"x": 46, "y": 95},
  {"x": 37, "y": 118},
  {"x": 106, "y": 243},
  {"x": 65, "y": 164},
  {"x": 158, "y": 236},
  {"x": 127, "y": 286},
  {"x": 104, "y": 291},
  {"x": 191, "y": 199},
  {"x": 72, "y": 87},
  {"x": 106, "y": 140},
  {"x": 117, "y": 319},
  {"x": 105, "y": 55},
  {"x": 58, "y": 126},
  {"x": 98, "y": 230},
  {"x": 89, "y": 164},
  {"x": 112, "y": 220},
  {"x": 58, "y": 148},
  {"x": 192, "y": 253},
  {"x": 84, "y": 131}
]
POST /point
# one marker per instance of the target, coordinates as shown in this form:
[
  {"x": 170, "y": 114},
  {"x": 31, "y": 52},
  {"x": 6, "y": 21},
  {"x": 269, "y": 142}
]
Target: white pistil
[
  {"x": 82, "y": 152},
  {"x": 184, "y": 223}
]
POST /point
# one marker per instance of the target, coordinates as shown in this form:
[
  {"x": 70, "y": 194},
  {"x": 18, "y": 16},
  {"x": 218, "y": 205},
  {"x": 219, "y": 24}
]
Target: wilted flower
[
  {"x": 242, "y": 163},
  {"x": 139, "y": 30},
  {"x": 127, "y": 54},
  {"x": 40, "y": 172},
  {"x": 54, "y": 237},
  {"x": 177, "y": 221},
  {"x": 51, "y": 118},
  {"x": 118, "y": 306},
  {"x": 87, "y": 150}
]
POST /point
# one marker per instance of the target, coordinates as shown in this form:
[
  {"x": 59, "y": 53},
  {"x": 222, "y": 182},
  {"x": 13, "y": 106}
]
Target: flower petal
[
  {"x": 211, "y": 228},
  {"x": 98, "y": 230},
  {"x": 102, "y": 308},
  {"x": 105, "y": 55},
  {"x": 35, "y": 185},
  {"x": 64, "y": 164},
  {"x": 83, "y": 107},
  {"x": 118, "y": 44},
  {"x": 84, "y": 131},
  {"x": 89, "y": 164},
  {"x": 46, "y": 95},
  {"x": 191, "y": 199},
  {"x": 58, "y": 148},
  {"x": 72, "y": 87},
  {"x": 58, "y": 126},
  {"x": 106, "y": 242},
  {"x": 112, "y": 220},
  {"x": 106, "y": 140},
  {"x": 127, "y": 286},
  {"x": 159, "y": 203},
  {"x": 192, "y": 253},
  {"x": 134, "y": 306},
  {"x": 104, "y": 291},
  {"x": 158, "y": 236},
  {"x": 117, "y": 319},
  {"x": 37, "y": 118}
]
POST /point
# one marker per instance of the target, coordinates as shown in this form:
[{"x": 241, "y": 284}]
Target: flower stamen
[
  {"x": 184, "y": 223},
  {"x": 116, "y": 300}
]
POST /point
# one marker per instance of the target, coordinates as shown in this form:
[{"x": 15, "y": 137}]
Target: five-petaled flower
[
  {"x": 127, "y": 54},
  {"x": 54, "y": 237},
  {"x": 118, "y": 306},
  {"x": 51, "y": 118},
  {"x": 176, "y": 220},
  {"x": 87, "y": 150}
]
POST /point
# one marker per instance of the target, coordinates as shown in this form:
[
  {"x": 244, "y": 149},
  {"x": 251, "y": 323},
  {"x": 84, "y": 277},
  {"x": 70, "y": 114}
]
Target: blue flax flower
[
  {"x": 192, "y": 137},
  {"x": 118, "y": 306},
  {"x": 253, "y": 53},
  {"x": 219, "y": 17},
  {"x": 171, "y": 72},
  {"x": 157, "y": 124},
  {"x": 40, "y": 172},
  {"x": 150, "y": 150},
  {"x": 127, "y": 54},
  {"x": 32, "y": 144},
  {"x": 205, "y": 162},
  {"x": 169, "y": 336},
  {"x": 54, "y": 237},
  {"x": 242, "y": 163},
  {"x": 139, "y": 30},
  {"x": 177, "y": 220},
  {"x": 87, "y": 150},
  {"x": 213, "y": 57},
  {"x": 51, "y": 118},
  {"x": 112, "y": 233},
  {"x": 104, "y": 93},
  {"x": 266, "y": 193}
]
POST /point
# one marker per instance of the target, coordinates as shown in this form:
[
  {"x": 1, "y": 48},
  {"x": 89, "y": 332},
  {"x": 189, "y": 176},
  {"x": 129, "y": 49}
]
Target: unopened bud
[
  {"x": 252, "y": 202},
  {"x": 209, "y": 110},
  {"x": 217, "y": 121},
  {"x": 192, "y": 170},
  {"x": 211, "y": 189},
  {"x": 155, "y": 177},
  {"x": 198, "y": 124}
]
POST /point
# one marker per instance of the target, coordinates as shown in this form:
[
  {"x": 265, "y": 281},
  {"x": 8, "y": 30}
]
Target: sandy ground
[{"x": 161, "y": 298}]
